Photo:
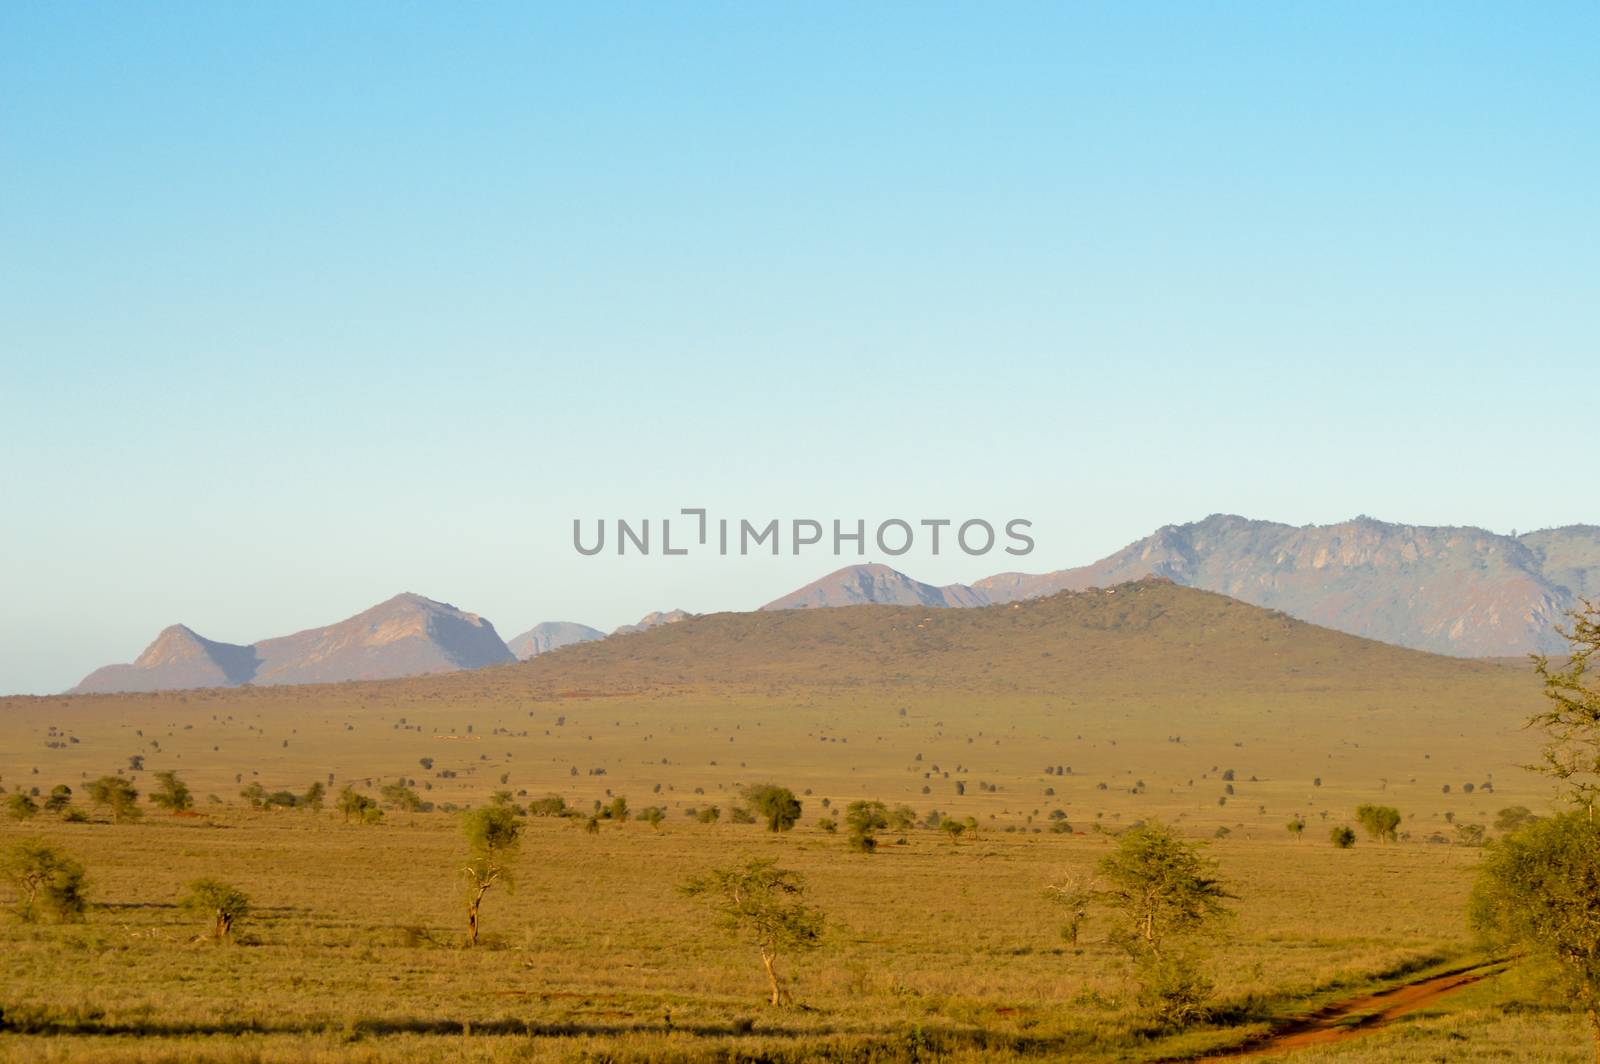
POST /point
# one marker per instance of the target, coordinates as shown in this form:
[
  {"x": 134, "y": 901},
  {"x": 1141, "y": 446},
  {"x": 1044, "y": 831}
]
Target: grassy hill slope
[{"x": 1143, "y": 695}]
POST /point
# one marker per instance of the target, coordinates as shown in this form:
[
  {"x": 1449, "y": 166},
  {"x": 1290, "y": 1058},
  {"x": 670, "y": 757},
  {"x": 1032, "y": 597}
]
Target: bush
[
  {"x": 1174, "y": 989},
  {"x": 1342, "y": 837}
]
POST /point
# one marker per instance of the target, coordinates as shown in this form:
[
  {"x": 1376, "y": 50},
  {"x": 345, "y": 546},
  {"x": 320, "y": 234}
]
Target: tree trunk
[
  {"x": 1594, "y": 1030},
  {"x": 224, "y": 926},
  {"x": 779, "y": 997},
  {"x": 472, "y": 918}
]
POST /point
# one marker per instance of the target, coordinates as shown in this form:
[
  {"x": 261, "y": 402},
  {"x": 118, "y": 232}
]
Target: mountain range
[
  {"x": 405, "y": 636},
  {"x": 1465, "y": 592}
]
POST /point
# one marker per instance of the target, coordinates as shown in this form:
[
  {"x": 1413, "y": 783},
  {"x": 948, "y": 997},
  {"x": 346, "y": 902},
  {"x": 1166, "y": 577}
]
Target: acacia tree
[
  {"x": 1571, "y": 723},
  {"x": 776, "y": 805},
  {"x": 1165, "y": 895},
  {"x": 763, "y": 903},
  {"x": 1297, "y": 827},
  {"x": 116, "y": 795},
  {"x": 222, "y": 904},
  {"x": 1538, "y": 891},
  {"x": 494, "y": 834},
  {"x": 865, "y": 819},
  {"x": 398, "y": 795},
  {"x": 1379, "y": 821},
  {"x": 50, "y": 886},
  {"x": 171, "y": 793},
  {"x": 352, "y": 803}
]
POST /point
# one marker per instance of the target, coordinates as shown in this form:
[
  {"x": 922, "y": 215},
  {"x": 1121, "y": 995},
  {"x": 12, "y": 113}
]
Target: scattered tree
[
  {"x": 315, "y": 795},
  {"x": 60, "y": 798},
  {"x": 117, "y": 796},
  {"x": 1165, "y": 894},
  {"x": 865, "y": 819},
  {"x": 50, "y": 886},
  {"x": 764, "y": 903},
  {"x": 1297, "y": 827},
  {"x": 654, "y": 815},
  {"x": 20, "y": 806},
  {"x": 493, "y": 836},
  {"x": 952, "y": 827},
  {"x": 774, "y": 804},
  {"x": 399, "y": 796},
  {"x": 352, "y": 803},
  {"x": 171, "y": 793},
  {"x": 1379, "y": 821},
  {"x": 222, "y": 904},
  {"x": 1342, "y": 837}
]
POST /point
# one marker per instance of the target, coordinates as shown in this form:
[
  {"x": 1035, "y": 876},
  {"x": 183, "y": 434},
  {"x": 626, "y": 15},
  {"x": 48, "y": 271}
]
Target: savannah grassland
[{"x": 934, "y": 950}]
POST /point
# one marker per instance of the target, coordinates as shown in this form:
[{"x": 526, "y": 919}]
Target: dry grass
[{"x": 935, "y": 951}]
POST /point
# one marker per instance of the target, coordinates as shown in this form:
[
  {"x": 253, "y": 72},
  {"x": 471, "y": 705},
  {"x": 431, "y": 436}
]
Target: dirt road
[{"x": 1357, "y": 1016}]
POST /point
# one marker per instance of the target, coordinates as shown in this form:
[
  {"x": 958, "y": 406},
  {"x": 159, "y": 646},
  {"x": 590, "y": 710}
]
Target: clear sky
[{"x": 302, "y": 305}]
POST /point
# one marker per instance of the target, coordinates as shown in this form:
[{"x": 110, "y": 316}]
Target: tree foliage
[
  {"x": 1538, "y": 892},
  {"x": 494, "y": 835},
  {"x": 171, "y": 793},
  {"x": 60, "y": 798},
  {"x": 49, "y": 885},
  {"x": 865, "y": 819},
  {"x": 1571, "y": 721},
  {"x": 362, "y": 808},
  {"x": 20, "y": 806},
  {"x": 1379, "y": 821},
  {"x": 222, "y": 904},
  {"x": 1342, "y": 837},
  {"x": 1162, "y": 886},
  {"x": 115, "y": 795},
  {"x": 764, "y": 904},
  {"x": 775, "y": 805},
  {"x": 398, "y": 795},
  {"x": 1164, "y": 894}
]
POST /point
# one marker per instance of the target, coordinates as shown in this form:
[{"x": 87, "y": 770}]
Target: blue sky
[{"x": 304, "y": 305}]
